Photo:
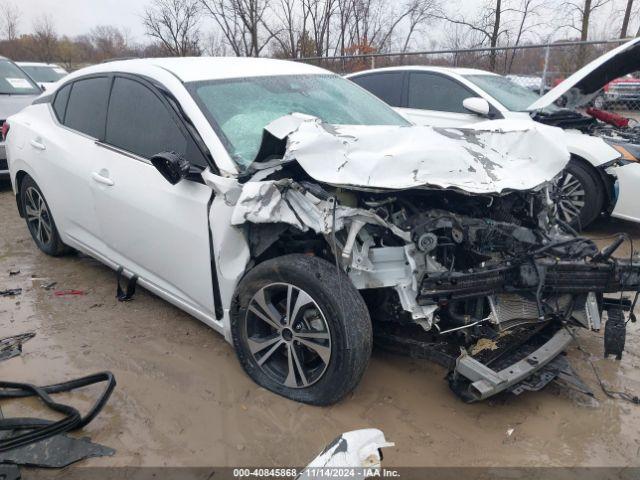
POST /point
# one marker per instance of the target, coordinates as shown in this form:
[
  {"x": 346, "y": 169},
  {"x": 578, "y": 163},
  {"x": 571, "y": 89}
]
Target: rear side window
[
  {"x": 60, "y": 103},
  {"x": 436, "y": 92},
  {"x": 385, "y": 86},
  {"x": 140, "y": 123},
  {"x": 87, "y": 107}
]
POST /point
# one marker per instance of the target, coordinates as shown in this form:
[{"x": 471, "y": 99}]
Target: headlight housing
[{"x": 628, "y": 151}]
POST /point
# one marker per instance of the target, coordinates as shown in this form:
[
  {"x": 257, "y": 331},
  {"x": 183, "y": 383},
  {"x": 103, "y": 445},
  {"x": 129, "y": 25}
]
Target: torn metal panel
[
  {"x": 358, "y": 449},
  {"x": 285, "y": 201},
  {"x": 491, "y": 158}
]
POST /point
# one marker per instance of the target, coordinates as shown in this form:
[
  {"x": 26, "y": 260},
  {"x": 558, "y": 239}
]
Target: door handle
[
  {"x": 97, "y": 177},
  {"x": 38, "y": 145}
]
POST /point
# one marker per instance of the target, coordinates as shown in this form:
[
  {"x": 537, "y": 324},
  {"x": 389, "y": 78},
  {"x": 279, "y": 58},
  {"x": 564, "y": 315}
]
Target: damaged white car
[
  {"x": 603, "y": 175},
  {"x": 300, "y": 216}
]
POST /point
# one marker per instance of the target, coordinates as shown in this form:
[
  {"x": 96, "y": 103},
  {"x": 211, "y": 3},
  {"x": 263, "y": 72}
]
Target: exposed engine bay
[{"x": 488, "y": 284}]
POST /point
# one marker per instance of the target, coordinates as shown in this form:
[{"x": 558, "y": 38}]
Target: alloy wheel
[
  {"x": 570, "y": 197},
  {"x": 288, "y": 335},
  {"x": 38, "y": 217}
]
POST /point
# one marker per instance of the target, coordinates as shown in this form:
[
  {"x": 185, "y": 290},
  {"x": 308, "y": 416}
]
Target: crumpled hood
[
  {"x": 583, "y": 85},
  {"x": 490, "y": 157},
  {"x": 12, "y": 104}
]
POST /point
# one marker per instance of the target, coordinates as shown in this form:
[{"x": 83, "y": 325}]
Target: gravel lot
[{"x": 183, "y": 400}]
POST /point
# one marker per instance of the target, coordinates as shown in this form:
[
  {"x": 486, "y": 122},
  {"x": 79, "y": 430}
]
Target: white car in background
[
  {"x": 44, "y": 74},
  {"x": 603, "y": 175},
  {"x": 295, "y": 234}
]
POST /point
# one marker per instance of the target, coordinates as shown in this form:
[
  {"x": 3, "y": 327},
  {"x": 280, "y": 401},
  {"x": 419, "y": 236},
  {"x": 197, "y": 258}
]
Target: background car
[
  {"x": 17, "y": 91},
  {"x": 455, "y": 97},
  {"x": 45, "y": 74}
]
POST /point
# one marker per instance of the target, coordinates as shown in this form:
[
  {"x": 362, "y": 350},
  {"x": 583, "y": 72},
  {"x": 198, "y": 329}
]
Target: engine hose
[{"x": 41, "y": 429}]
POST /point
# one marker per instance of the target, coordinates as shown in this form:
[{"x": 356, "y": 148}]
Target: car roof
[
  {"x": 447, "y": 70},
  {"x": 36, "y": 64},
  {"x": 194, "y": 69}
]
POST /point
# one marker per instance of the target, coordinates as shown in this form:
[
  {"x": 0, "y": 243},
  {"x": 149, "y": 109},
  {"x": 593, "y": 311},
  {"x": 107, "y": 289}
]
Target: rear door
[
  {"x": 435, "y": 99},
  {"x": 65, "y": 151},
  {"x": 154, "y": 229},
  {"x": 386, "y": 85}
]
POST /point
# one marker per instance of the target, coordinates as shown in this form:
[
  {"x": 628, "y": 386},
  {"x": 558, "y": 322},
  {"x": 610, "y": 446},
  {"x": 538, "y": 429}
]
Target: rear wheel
[
  {"x": 39, "y": 219},
  {"x": 579, "y": 196},
  {"x": 302, "y": 329}
]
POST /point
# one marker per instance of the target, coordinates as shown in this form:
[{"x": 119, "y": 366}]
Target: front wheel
[
  {"x": 579, "y": 195},
  {"x": 301, "y": 329}
]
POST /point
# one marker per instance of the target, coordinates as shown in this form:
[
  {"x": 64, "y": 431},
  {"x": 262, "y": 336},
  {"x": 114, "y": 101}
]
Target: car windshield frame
[
  {"x": 243, "y": 162},
  {"x": 494, "y": 86},
  {"x": 18, "y": 77},
  {"x": 34, "y": 70}
]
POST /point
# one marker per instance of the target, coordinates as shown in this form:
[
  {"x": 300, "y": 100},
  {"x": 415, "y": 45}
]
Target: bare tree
[
  {"x": 289, "y": 29},
  {"x": 488, "y": 24},
  {"x": 242, "y": 23},
  {"x": 10, "y": 21},
  {"x": 626, "y": 18},
  {"x": 109, "y": 42},
  {"x": 581, "y": 12},
  {"x": 419, "y": 13},
  {"x": 529, "y": 12},
  {"x": 45, "y": 39},
  {"x": 174, "y": 24}
]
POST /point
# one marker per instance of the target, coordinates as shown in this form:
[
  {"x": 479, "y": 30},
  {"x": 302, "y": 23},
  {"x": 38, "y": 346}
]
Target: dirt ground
[{"x": 183, "y": 400}]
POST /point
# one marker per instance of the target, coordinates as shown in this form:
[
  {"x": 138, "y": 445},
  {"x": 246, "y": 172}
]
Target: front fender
[{"x": 593, "y": 149}]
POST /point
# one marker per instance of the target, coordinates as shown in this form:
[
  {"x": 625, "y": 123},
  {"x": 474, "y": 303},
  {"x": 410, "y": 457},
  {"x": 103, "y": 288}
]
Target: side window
[
  {"x": 60, "y": 102},
  {"x": 87, "y": 106},
  {"x": 140, "y": 123},
  {"x": 436, "y": 92},
  {"x": 386, "y": 86}
]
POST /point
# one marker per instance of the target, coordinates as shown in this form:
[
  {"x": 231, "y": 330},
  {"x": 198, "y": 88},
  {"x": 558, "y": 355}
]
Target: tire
[
  {"x": 600, "y": 103},
  {"x": 331, "y": 309},
  {"x": 39, "y": 219},
  {"x": 579, "y": 197}
]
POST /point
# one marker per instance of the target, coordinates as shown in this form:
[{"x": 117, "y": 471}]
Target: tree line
[{"x": 324, "y": 28}]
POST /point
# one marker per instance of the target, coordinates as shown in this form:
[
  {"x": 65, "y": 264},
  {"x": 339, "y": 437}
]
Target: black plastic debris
[
  {"x": 12, "y": 346},
  {"x": 125, "y": 294},
  {"x": 23, "y": 431},
  {"x": 56, "y": 452},
  {"x": 49, "y": 286},
  {"x": 11, "y": 292}
]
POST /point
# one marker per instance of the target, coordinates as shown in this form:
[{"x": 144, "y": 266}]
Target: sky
[{"x": 77, "y": 17}]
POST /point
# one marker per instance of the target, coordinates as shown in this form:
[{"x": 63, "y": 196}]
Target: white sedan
[
  {"x": 44, "y": 74},
  {"x": 295, "y": 235},
  {"x": 601, "y": 177}
]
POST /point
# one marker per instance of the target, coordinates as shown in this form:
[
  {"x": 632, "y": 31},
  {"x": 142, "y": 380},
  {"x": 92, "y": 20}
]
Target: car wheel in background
[
  {"x": 600, "y": 103},
  {"x": 301, "y": 329},
  {"x": 579, "y": 196},
  {"x": 39, "y": 219}
]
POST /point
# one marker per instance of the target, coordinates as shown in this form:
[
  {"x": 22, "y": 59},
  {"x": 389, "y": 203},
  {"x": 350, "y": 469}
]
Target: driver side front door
[
  {"x": 434, "y": 99},
  {"x": 153, "y": 229}
]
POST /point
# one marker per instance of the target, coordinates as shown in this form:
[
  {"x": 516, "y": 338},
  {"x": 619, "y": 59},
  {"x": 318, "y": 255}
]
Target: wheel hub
[{"x": 288, "y": 335}]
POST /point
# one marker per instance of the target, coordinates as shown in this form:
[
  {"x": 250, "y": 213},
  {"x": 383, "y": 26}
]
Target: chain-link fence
[{"x": 536, "y": 67}]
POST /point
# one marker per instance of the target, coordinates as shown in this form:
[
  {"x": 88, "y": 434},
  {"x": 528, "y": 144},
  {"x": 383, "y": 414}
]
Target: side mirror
[
  {"x": 172, "y": 167},
  {"x": 477, "y": 105}
]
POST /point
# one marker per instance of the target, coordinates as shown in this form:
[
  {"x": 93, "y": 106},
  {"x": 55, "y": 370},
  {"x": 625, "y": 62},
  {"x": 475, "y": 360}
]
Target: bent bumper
[{"x": 484, "y": 382}]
